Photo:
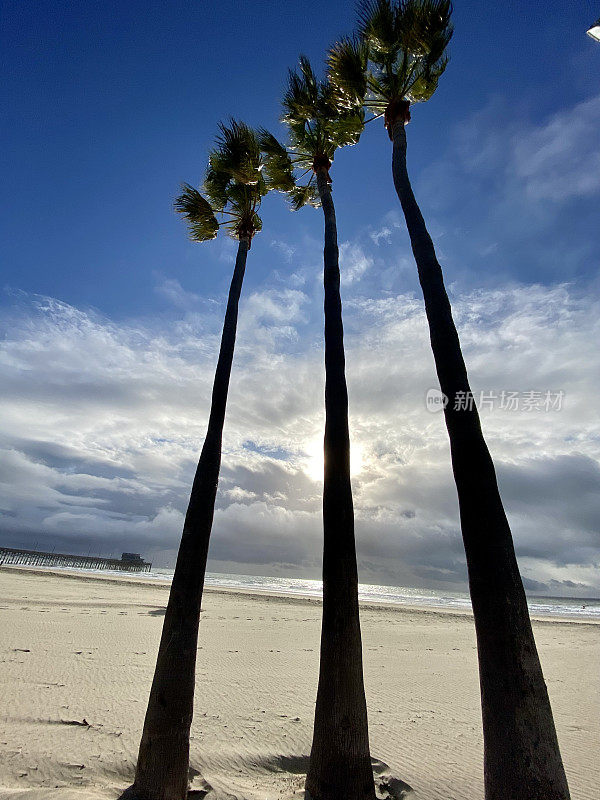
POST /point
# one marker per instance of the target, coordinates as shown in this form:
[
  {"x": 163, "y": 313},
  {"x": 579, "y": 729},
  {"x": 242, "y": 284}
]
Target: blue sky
[{"x": 110, "y": 316}]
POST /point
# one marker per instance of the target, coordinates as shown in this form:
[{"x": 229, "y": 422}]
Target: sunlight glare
[{"x": 313, "y": 466}]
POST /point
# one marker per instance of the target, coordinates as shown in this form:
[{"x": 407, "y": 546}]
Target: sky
[{"x": 110, "y": 317}]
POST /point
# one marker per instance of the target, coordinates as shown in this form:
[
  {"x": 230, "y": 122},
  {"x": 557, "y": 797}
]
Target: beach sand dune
[{"x": 76, "y": 662}]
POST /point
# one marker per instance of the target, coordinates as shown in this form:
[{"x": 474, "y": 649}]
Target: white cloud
[
  {"x": 173, "y": 291},
  {"x": 101, "y": 425},
  {"x": 515, "y": 198},
  {"x": 227, "y": 249},
  {"x": 561, "y": 159},
  {"x": 284, "y": 248},
  {"x": 384, "y": 233},
  {"x": 557, "y": 160},
  {"x": 391, "y": 222},
  {"x": 353, "y": 262}
]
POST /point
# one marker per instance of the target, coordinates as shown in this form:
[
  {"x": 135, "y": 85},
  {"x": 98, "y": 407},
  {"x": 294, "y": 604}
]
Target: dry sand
[{"x": 81, "y": 650}]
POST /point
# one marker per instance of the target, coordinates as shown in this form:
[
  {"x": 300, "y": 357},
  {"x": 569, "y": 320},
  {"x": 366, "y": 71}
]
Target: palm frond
[
  {"x": 279, "y": 169},
  {"x": 317, "y": 122},
  {"x": 199, "y": 215},
  {"x": 377, "y": 25},
  {"x": 302, "y": 92},
  {"x": 216, "y": 184},
  {"x": 241, "y": 199},
  {"x": 302, "y": 196},
  {"x": 270, "y": 145},
  {"x": 346, "y": 129},
  {"x": 234, "y": 185},
  {"x": 347, "y": 72},
  {"x": 420, "y": 23},
  {"x": 191, "y": 203},
  {"x": 237, "y": 153},
  {"x": 262, "y": 187},
  {"x": 425, "y": 83},
  {"x": 204, "y": 230},
  {"x": 321, "y": 116},
  {"x": 406, "y": 42}
]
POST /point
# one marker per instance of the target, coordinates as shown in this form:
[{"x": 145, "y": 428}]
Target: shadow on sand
[{"x": 387, "y": 786}]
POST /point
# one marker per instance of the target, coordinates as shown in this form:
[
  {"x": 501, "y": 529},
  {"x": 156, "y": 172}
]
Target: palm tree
[
  {"x": 234, "y": 187},
  {"x": 340, "y": 763},
  {"x": 397, "y": 59}
]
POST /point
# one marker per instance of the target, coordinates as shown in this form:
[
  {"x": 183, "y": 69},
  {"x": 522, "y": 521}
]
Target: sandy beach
[{"x": 76, "y": 661}]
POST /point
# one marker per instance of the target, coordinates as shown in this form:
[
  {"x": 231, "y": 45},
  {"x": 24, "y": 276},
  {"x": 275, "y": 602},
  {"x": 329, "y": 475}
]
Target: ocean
[
  {"x": 403, "y": 595},
  {"x": 568, "y": 607}
]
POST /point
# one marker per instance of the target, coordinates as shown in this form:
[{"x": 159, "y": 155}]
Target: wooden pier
[{"x": 129, "y": 562}]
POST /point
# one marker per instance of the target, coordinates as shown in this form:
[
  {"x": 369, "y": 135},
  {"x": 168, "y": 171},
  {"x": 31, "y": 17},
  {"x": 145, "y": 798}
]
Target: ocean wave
[{"x": 568, "y": 607}]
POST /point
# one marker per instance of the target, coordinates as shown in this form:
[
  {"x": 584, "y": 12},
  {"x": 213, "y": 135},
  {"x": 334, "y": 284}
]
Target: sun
[{"x": 313, "y": 465}]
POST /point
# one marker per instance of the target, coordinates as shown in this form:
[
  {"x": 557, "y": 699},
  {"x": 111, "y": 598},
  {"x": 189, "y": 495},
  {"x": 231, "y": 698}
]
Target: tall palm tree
[
  {"x": 340, "y": 763},
  {"x": 234, "y": 187},
  {"x": 397, "y": 59}
]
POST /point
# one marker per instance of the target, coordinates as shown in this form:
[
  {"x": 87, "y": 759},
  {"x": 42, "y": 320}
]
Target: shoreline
[{"x": 291, "y": 597}]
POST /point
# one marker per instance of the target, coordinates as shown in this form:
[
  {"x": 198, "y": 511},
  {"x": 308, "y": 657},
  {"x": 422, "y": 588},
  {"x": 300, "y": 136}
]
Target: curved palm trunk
[
  {"x": 340, "y": 764},
  {"x": 521, "y": 755},
  {"x": 163, "y": 760}
]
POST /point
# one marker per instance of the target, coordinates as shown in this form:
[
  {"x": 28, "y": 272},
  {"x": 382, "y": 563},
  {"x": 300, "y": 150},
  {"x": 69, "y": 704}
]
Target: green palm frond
[
  {"x": 378, "y": 26},
  {"x": 310, "y": 79},
  {"x": 302, "y": 196},
  {"x": 237, "y": 153},
  {"x": 347, "y": 72},
  {"x": 203, "y": 230},
  {"x": 216, "y": 184},
  {"x": 406, "y": 42},
  {"x": 345, "y": 129},
  {"x": 317, "y": 125},
  {"x": 234, "y": 186},
  {"x": 241, "y": 198},
  {"x": 262, "y": 187},
  {"x": 199, "y": 215},
  {"x": 302, "y": 93},
  {"x": 270, "y": 145},
  {"x": 191, "y": 203},
  {"x": 425, "y": 83},
  {"x": 321, "y": 116},
  {"x": 421, "y": 22},
  {"x": 279, "y": 169}
]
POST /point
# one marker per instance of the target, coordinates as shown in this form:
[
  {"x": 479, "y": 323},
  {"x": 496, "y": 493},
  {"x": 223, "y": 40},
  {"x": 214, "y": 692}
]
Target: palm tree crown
[
  {"x": 234, "y": 187},
  {"x": 317, "y": 126},
  {"x": 397, "y": 57}
]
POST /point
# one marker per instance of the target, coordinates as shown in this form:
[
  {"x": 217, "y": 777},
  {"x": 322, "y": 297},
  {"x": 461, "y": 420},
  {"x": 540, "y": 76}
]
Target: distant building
[{"x": 132, "y": 558}]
